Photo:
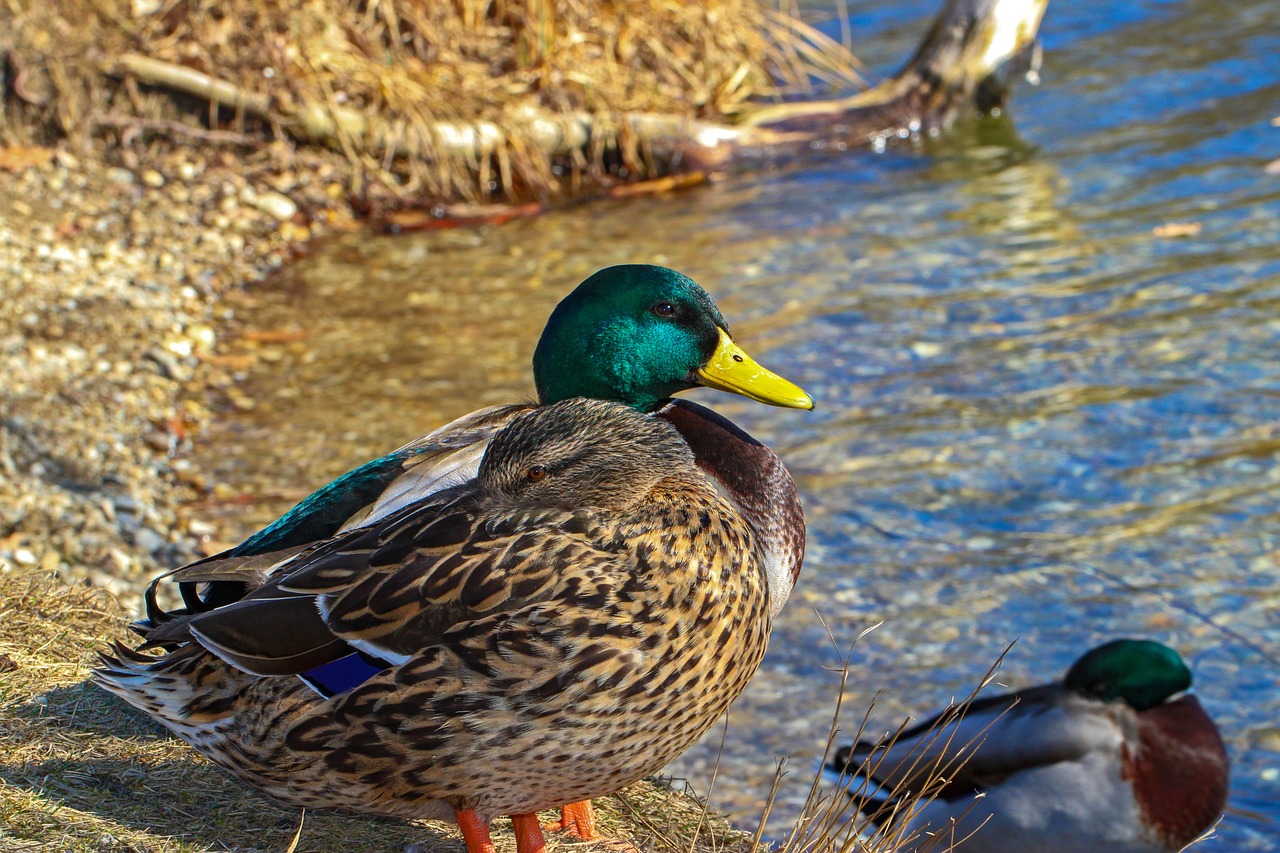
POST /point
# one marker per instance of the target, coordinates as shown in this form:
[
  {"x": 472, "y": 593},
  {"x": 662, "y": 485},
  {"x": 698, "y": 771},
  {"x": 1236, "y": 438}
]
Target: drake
[
  {"x": 635, "y": 334},
  {"x": 1117, "y": 757},
  {"x": 589, "y": 604}
]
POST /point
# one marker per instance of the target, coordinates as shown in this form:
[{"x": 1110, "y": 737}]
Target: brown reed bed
[{"x": 451, "y": 100}]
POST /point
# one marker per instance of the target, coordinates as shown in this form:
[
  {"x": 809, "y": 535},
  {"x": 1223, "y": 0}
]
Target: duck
[
  {"x": 590, "y": 602},
  {"x": 636, "y": 334},
  {"x": 1116, "y": 756}
]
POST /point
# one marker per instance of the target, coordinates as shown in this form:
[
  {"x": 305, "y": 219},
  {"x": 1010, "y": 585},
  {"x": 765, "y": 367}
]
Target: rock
[
  {"x": 275, "y": 204},
  {"x": 149, "y": 541}
]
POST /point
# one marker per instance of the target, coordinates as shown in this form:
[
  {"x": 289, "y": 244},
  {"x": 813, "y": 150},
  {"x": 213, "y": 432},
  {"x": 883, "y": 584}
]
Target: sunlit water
[{"x": 1037, "y": 421}]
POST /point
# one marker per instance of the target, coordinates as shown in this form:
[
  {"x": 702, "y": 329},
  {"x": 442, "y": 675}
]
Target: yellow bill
[{"x": 730, "y": 369}]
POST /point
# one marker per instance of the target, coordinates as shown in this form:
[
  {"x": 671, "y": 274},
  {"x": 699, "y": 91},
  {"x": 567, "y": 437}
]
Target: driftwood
[
  {"x": 967, "y": 61},
  {"x": 969, "y": 57}
]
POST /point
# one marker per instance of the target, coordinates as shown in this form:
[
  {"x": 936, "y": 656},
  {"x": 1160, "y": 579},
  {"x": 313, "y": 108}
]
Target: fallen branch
[
  {"x": 549, "y": 133},
  {"x": 972, "y": 53}
]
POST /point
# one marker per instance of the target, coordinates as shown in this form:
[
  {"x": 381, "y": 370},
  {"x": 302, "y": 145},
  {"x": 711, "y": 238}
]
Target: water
[{"x": 1038, "y": 421}]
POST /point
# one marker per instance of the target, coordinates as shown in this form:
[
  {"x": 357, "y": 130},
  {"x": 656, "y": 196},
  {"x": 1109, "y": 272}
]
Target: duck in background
[
  {"x": 588, "y": 605},
  {"x": 1117, "y": 756},
  {"x": 635, "y": 334}
]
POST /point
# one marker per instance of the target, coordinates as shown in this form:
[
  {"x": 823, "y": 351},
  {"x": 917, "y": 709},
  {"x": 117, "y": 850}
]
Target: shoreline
[{"x": 111, "y": 331}]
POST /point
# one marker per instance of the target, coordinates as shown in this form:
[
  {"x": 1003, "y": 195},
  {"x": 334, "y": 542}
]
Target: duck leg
[
  {"x": 474, "y": 831},
  {"x": 578, "y": 819},
  {"x": 529, "y": 837}
]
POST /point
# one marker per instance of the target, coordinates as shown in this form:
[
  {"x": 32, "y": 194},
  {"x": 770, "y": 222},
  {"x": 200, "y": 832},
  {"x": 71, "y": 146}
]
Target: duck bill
[{"x": 730, "y": 369}]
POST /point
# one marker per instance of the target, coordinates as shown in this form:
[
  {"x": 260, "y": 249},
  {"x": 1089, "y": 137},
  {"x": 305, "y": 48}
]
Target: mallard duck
[
  {"x": 589, "y": 604},
  {"x": 635, "y": 334},
  {"x": 1117, "y": 757}
]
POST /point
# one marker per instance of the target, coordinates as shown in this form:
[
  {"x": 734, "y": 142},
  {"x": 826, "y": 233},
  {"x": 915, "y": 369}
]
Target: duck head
[
  {"x": 582, "y": 452},
  {"x": 637, "y": 334},
  {"x": 1141, "y": 673}
]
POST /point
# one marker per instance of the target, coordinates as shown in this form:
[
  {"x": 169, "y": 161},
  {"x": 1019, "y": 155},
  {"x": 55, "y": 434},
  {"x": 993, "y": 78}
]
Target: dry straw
[{"x": 445, "y": 99}]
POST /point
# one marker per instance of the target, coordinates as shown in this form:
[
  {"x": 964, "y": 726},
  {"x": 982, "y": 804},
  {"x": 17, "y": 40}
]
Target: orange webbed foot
[
  {"x": 475, "y": 832},
  {"x": 578, "y": 820}
]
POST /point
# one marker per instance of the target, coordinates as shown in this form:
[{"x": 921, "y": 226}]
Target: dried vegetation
[{"x": 459, "y": 99}]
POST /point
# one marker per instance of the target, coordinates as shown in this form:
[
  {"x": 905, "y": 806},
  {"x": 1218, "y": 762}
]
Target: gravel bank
[{"x": 110, "y": 279}]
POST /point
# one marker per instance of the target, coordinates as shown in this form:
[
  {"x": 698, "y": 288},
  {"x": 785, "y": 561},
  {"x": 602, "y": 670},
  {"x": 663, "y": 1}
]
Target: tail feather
[{"x": 187, "y": 690}]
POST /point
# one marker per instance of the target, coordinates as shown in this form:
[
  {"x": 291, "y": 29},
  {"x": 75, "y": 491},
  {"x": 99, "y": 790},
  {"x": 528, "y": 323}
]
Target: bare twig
[{"x": 174, "y": 128}]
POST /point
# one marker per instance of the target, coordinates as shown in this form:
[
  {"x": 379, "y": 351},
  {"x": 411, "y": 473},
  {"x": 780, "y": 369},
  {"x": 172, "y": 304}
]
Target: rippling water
[{"x": 1038, "y": 420}]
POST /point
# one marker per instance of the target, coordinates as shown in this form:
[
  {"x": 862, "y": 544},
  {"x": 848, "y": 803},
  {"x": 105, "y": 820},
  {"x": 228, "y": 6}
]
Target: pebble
[{"x": 274, "y": 204}]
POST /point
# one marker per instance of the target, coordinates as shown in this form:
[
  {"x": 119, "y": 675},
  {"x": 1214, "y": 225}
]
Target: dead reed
[{"x": 457, "y": 99}]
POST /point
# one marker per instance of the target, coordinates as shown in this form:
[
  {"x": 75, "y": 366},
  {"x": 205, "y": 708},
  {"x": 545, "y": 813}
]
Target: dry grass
[
  {"x": 435, "y": 97},
  {"x": 843, "y": 818}
]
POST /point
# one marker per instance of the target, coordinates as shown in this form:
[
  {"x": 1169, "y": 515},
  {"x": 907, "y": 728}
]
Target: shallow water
[{"x": 1038, "y": 421}]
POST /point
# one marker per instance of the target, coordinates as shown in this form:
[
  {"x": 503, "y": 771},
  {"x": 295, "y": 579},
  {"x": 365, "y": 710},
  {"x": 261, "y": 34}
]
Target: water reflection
[{"x": 1037, "y": 419}]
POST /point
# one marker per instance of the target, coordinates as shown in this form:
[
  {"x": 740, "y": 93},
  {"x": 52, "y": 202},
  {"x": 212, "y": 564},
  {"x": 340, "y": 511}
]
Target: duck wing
[
  {"x": 435, "y": 570},
  {"x": 445, "y": 458},
  {"x": 982, "y": 744}
]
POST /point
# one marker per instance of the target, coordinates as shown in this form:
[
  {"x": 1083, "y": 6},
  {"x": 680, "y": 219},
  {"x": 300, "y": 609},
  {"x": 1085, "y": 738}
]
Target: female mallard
[
  {"x": 589, "y": 603},
  {"x": 1116, "y": 757},
  {"x": 635, "y": 334}
]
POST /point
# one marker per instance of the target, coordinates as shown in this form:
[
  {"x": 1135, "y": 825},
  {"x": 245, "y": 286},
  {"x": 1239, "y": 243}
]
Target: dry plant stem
[
  {"x": 850, "y": 819},
  {"x": 173, "y": 128}
]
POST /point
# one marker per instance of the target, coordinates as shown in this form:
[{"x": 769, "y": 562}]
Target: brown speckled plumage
[{"x": 555, "y": 635}]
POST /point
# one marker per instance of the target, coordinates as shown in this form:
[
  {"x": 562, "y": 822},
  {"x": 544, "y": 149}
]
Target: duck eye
[
  {"x": 664, "y": 309},
  {"x": 535, "y": 473}
]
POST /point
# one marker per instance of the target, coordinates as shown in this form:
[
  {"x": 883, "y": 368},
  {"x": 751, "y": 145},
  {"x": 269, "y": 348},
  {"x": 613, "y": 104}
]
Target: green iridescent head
[
  {"x": 637, "y": 334},
  {"x": 1143, "y": 673}
]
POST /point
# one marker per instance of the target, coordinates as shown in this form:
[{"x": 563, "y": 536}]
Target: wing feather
[
  {"x": 298, "y": 639},
  {"x": 995, "y": 738},
  {"x": 390, "y": 589},
  {"x": 416, "y": 473}
]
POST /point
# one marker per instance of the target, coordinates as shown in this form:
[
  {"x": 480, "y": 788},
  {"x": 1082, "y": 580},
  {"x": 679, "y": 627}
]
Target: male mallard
[
  {"x": 588, "y": 605},
  {"x": 1116, "y": 757}
]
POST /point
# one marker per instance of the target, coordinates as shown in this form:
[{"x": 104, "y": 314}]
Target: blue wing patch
[{"x": 343, "y": 674}]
